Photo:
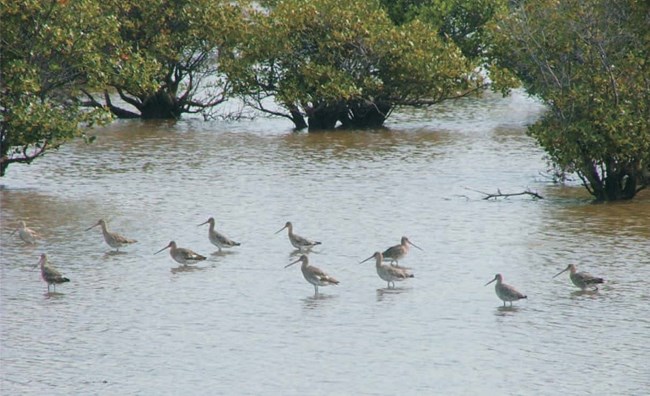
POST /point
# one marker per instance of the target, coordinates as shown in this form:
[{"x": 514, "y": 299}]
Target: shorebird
[
  {"x": 219, "y": 240},
  {"x": 505, "y": 292},
  {"x": 50, "y": 274},
  {"x": 397, "y": 252},
  {"x": 182, "y": 255},
  {"x": 581, "y": 279},
  {"x": 314, "y": 275},
  {"x": 297, "y": 241},
  {"x": 26, "y": 234},
  {"x": 388, "y": 273},
  {"x": 113, "y": 239}
]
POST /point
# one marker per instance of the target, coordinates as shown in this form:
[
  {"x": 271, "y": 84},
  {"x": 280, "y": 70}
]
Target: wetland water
[{"x": 240, "y": 323}]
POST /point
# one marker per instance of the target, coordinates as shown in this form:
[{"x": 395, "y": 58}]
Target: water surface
[{"x": 239, "y": 323}]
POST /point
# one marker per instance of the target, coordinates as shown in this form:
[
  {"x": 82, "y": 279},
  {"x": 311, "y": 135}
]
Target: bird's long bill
[
  {"x": 162, "y": 249},
  {"x": 560, "y": 273},
  {"x": 416, "y": 246},
  {"x": 205, "y": 222},
  {"x": 490, "y": 281},
  {"x": 281, "y": 229},
  {"x": 371, "y": 257},
  {"x": 91, "y": 227},
  {"x": 291, "y": 263}
]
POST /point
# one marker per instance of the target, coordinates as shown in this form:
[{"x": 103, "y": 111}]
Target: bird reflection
[
  {"x": 387, "y": 291},
  {"x": 186, "y": 268},
  {"x": 114, "y": 253},
  {"x": 506, "y": 310},
  {"x": 317, "y": 300},
  {"x": 580, "y": 293}
]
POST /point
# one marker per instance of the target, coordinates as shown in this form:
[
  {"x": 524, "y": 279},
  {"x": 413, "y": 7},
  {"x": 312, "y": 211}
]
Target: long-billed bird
[
  {"x": 505, "y": 292},
  {"x": 313, "y": 275},
  {"x": 49, "y": 274},
  {"x": 581, "y": 279}
]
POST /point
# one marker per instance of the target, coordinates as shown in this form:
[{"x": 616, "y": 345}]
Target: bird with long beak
[
  {"x": 398, "y": 252},
  {"x": 182, "y": 255},
  {"x": 313, "y": 275},
  {"x": 582, "y": 280},
  {"x": 388, "y": 273},
  {"x": 26, "y": 234},
  {"x": 113, "y": 239},
  {"x": 49, "y": 274},
  {"x": 218, "y": 239},
  {"x": 505, "y": 292},
  {"x": 297, "y": 241}
]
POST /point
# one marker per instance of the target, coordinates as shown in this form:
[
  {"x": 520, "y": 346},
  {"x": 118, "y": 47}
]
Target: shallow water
[{"x": 239, "y": 323}]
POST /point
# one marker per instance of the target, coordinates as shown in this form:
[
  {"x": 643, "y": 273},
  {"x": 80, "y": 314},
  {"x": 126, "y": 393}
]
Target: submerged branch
[{"x": 499, "y": 194}]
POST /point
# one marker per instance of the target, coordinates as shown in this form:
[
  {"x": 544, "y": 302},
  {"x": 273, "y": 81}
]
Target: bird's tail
[
  {"x": 317, "y": 243},
  {"x": 65, "y": 279}
]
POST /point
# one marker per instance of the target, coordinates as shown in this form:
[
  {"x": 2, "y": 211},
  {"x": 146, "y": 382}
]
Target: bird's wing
[
  {"x": 392, "y": 251},
  {"x": 397, "y": 272},
  {"x": 190, "y": 255},
  {"x": 588, "y": 278},
  {"x": 51, "y": 273},
  {"x": 322, "y": 276},
  {"x": 122, "y": 239},
  {"x": 224, "y": 240}
]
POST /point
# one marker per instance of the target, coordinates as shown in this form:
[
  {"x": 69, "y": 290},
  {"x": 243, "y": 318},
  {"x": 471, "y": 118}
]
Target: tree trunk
[
  {"x": 297, "y": 118},
  {"x": 162, "y": 105},
  {"x": 367, "y": 115},
  {"x": 323, "y": 118}
]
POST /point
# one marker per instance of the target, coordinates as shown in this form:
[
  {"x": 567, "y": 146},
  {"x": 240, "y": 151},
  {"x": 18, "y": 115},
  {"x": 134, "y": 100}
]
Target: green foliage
[
  {"x": 588, "y": 60},
  {"x": 348, "y": 64},
  {"x": 168, "y": 51},
  {"x": 466, "y": 23},
  {"x": 49, "y": 49}
]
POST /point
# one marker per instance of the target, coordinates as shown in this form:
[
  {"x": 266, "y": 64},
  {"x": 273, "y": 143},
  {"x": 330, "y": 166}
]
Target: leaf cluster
[{"x": 588, "y": 61}]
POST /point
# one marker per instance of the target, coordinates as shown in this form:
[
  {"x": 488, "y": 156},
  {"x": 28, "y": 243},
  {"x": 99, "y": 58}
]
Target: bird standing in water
[
  {"x": 313, "y": 275},
  {"x": 217, "y": 239},
  {"x": 388, "y": 273},
  {"x": 49, "y": 274},
  {"x": 505, "y": 292},
  {"x": 113, "y": 239},
  {"x": 297, "y": 241},
  {"x": 582, "y": 280},
  {"x": 398, "y": 252}
]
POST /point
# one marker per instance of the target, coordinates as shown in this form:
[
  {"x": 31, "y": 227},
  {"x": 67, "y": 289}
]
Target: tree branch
[{"x": 499, "y": 194}]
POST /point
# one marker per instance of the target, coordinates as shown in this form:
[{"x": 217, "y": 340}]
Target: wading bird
[
  {"x": 581, "y": 279},
  {"x": 398, "y": 252},
  {"x": 113, "y": 239},
  {"x": 49, "y": 274},
  {"x": 26, "y": 234},
  {"x": 505, "y": 292},
  {"x": 182, "y": 255},
  {"x": 219, "y": 240},
  {"x": 388, "y": 273},
  {"x": 297, "y": 241},
  {"x": 313, "y": 275}
]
